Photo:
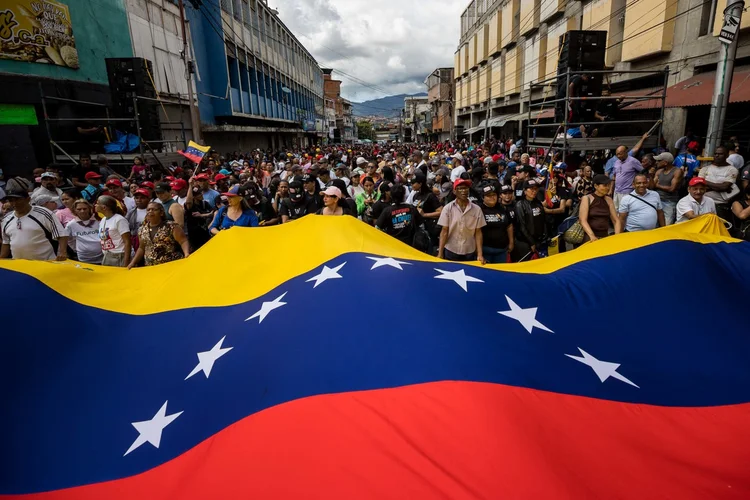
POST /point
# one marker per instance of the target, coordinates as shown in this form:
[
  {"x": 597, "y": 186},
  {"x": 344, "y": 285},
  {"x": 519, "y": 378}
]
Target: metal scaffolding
[
  {"x": 143, "y": 144},
  {"x": 569, "y": 144}
]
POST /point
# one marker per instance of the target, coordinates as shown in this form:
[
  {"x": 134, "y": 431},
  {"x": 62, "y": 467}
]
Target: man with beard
[{"x": 297, "y": 205}]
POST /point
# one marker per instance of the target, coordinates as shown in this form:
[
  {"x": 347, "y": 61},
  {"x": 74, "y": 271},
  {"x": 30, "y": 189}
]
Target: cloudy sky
[{"x": 383, "y": 47}]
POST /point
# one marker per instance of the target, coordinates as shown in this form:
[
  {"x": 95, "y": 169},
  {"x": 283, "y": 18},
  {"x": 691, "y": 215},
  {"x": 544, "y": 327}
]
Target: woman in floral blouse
[{"x": 161, "y": 241}]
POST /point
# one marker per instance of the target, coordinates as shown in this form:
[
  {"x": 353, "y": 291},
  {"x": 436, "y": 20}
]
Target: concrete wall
[{"x": 101, "y": 30}]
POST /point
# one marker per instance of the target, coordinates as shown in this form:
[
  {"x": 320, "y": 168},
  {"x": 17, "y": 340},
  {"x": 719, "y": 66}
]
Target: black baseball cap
[
  {"x": 308, "y": 178},
  {"x": 488, "y": 188},
  {"x": 163, "y": 187},
  {"x": 506, "y": 189},
  {"x": 530, "y": 184}
]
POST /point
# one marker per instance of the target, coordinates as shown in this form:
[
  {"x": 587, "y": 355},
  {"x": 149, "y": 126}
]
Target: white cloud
[{"x": 390, "y": 46}]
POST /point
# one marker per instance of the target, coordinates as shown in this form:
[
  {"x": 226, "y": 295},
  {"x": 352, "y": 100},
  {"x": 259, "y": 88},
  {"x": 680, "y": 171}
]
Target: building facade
[
  {"x": 257, "y": 85},
  {"x": 344, "y": 129},
  {"x": 505, "y": 45},
  {"x": 440, "y": 90},
  {"x": 60, "y": 67},
  {"x": 417, "y": 118},
  {"x": 156, "y": 34}
]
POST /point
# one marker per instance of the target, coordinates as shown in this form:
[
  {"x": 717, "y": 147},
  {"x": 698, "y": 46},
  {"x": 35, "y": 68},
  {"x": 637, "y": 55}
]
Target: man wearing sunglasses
[{"x": 30, "y": 232}]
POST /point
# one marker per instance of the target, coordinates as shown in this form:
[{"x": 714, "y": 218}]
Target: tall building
[
  {"x": 505, "y": 45},
  {"x": 440, "y": 91},
  {"x": 257, "y": 84},
  {"x": 344, "y": 130}
]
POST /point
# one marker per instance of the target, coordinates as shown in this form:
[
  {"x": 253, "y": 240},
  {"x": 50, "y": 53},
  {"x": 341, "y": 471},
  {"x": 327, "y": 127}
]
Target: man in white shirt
[
  {"x": 642, "y": 209},
  {"x": 695, "y": 204},
  {"x": 32, "y": 233},
  {"x": 458, "y": 168},
  {"x": 720, "y": 178},
  {"x": 180, "y": 189},
  {"x": 48, "y": 187}
]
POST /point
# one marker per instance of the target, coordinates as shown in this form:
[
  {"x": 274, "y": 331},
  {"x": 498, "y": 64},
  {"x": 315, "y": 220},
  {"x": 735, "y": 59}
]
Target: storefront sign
[{"x": 38, "y": 31}]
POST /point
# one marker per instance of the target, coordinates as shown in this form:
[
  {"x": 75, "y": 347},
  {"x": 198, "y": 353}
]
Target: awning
[{"x": 698, "y": 91}]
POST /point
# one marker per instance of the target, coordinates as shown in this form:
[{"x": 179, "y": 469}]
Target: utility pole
[
  {"x": 487, "y": 118},
  {"x": 724, "y": 72},
  {"x": 195, "y": 117}
]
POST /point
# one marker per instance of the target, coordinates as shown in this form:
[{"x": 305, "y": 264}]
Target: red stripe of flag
[{"x": 455, "y": 440}]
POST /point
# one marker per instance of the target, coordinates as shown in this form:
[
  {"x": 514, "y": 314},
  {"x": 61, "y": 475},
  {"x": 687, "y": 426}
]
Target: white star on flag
[
  {"x": 387, "y": 261},
  {"x": 207, "y": 359},
  {"x": 267, "y": 307},
  {"x": 149, "y": 431},
  {"x": 603, "y": 369},
  {"x": 326, "y": 274},
  {"x": 459, "y": 277},
  {"x": 527, "y": 317}
]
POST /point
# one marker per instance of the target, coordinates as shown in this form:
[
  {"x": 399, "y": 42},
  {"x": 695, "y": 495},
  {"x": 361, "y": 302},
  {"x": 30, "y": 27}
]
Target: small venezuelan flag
[{"x": 195, "y": 152}]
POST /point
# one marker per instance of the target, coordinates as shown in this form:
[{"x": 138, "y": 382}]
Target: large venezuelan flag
[{"x": 322, "y": 359}]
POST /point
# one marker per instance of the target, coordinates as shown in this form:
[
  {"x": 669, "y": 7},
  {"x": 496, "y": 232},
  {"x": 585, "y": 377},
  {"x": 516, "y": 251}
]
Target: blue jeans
[{"x": 494, "y": 255}]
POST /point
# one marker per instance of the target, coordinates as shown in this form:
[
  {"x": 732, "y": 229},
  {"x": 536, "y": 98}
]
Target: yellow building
[{"x": 505, "y": 45}]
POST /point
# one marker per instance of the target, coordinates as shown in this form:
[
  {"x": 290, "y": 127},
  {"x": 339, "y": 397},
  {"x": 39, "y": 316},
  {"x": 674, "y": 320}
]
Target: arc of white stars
[
  {"x": 326, "y": 274},
  {"x": 207, "y": 359},
  {"x": 459, "y": 277},
  {"x": 388, "y": 261},
  {"x": 149, "y": 431},
  {"x": 603, "y": 369},
  {"x": 527, "y": 317},
  {"x": 267, "y": 307}
]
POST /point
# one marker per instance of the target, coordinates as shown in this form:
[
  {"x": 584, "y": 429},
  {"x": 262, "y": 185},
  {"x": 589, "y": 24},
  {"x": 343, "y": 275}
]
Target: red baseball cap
[
  {"x": 169, "y": 178},
  {"x": 219, "y": 177},
  {"x": 148, "y": 184},
  {"x": 143, "y": 192},
  {"x": 178, "y": 184},
  {"x": 114, "y": 182},
  {"x": 92, "y": 175},
  {"x": 697, "y": 180},
  {"x": 496, "y": 158},
  {"x": 202, "y": 177},
  {"x": 461, "y": 182}
]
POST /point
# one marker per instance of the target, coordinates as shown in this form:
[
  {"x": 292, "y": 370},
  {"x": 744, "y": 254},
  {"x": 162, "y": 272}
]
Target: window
[
  {"x": 226, "y": 6},
  {"x": 237, "y": 9},
  {"x": 246, "y": 13}
]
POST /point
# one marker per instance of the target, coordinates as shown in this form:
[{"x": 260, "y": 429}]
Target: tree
[{"x": 364, "y": 130}]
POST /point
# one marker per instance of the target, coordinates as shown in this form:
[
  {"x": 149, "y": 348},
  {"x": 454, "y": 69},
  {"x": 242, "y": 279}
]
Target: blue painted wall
[{"x": 101, "y": 30}]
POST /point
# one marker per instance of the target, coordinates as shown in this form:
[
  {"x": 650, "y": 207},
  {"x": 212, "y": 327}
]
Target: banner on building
[{"x": 38, "y": 31}]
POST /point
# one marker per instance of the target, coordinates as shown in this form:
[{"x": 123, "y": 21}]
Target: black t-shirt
[
  {"x": 539, "y": 219},
  {"x": 377, "y": 208},
  {"x": 400, "y": 221},
  {"x": 264, "y": 209},
  {"x": 296, "y": 210},
  {"x": 201, "y": 207},
  {"x": 495, "y": 233},
  {"x": 429, "y": 204},
  {"x": 78, "y": 172},
  {"x": 314, "y": 200}
]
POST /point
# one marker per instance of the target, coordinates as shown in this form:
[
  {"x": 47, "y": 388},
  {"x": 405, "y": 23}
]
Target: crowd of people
[{"x": 495, "y": 202}]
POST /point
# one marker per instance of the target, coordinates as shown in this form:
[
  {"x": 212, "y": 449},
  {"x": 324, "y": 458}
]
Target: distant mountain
[{"x": 387, "y": 107}]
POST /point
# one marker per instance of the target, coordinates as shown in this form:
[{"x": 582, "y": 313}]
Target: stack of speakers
[
  {"x": 130, "y": 77},
  {"x": 581, "y": 51}
]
